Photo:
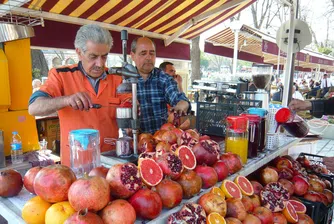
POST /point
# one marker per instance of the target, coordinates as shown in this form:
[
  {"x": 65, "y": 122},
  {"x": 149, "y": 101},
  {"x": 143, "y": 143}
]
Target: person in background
[
  {"x": 325, "y": 84},
  {"x": 330, "y": 93},
  {"x": 277, "y": 96},
  {"x": 295, "y": 93},
  {"x": 73, "y": 90},
  {"x": 314, "y": 90},
  {"x": 311, "y": 83},
  {"x": 317, "y": 109},
  {"x": 169, "y": 68},
  {"x": 156, "y": 89},
  {"x": 36, "y": 84}
]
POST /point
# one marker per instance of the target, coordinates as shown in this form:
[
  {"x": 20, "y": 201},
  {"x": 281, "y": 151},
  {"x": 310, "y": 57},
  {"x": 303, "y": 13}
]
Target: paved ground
[{"x": 325, "y": 147}]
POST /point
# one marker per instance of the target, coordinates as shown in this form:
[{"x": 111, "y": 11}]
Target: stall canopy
[
  {"x": 168, "y": 20},
  {"x": 256, "y": 46}
]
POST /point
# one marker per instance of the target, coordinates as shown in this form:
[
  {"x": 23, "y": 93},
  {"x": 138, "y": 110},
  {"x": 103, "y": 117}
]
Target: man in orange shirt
[{"x": 73, "y": 90}]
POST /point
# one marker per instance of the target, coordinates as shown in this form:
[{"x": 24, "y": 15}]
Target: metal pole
[
  {"x": 135, "y": 117},
  {"x": 290, "y": 57},
  {"x": 235, "y": 51}
]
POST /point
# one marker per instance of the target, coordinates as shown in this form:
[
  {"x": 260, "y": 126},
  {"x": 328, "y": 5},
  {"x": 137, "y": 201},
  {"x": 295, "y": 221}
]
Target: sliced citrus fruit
[
  {"x": 299, "y": 207},
  {"x": 187, "y": 157},
  {"x": 150, "y": 172},
  {"x": 217, "y": 191},
  {"x": 245, "y": 185},
  {"x": 230, "y": 189},
  {"x": 290, "y": 213},
  {"x": 215, "y": 218}
]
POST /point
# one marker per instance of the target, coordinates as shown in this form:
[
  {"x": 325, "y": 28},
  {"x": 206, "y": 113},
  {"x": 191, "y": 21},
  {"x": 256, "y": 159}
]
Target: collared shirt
[
  {"x": 325, "y": 83},
  {"x": 95, "y": 82},
  {"x": 154, "y": 93}
]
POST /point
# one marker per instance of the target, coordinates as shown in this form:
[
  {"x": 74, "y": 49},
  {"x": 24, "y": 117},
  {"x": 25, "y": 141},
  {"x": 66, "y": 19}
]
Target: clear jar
[
  {"x": 85, "y": 150},
  {"x": 263, "y": 127},
  {"x": 236, "y": 138},
  {"x": 292, "y": 123},
  {"x": 253, "y": 134}
]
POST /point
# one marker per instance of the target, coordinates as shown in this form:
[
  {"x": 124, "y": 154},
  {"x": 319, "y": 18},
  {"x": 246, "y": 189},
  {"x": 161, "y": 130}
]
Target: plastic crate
[
  {"x": 318, "y": 158},
  {"x": 319, "y": 213},
  {"x": 210, "y": 117}
]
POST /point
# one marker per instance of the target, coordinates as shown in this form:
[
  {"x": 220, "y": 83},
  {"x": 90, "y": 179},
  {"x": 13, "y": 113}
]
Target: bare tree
[
  {"x": 195, "y": 59},
  {"x": 260, "y": 10}
]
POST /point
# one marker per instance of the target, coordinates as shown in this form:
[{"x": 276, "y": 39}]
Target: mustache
[{"x": 98, "y": 68}]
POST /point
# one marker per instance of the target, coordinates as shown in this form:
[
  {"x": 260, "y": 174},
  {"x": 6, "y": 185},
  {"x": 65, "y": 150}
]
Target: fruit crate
[
  {"x": 320, "y": 213},
  {"x": 318, "y": 159},
  {"x": 210, "y": 117}
]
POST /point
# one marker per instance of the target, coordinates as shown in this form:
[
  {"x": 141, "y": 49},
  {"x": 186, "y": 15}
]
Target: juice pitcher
[{"x": 85, "y": 150}]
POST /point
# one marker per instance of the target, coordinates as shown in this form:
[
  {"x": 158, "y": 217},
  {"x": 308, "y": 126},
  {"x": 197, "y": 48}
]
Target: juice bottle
[{"x": 236, "y": 139}]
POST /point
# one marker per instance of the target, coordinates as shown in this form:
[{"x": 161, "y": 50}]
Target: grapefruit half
[
  {"x": 245, "y": 185},
  {"x": 187, "y": 157},
  {"x": 290, "y": 213},
  {"x": 230, "y": 189},
  {"x": 299, "y": 207},
  {"x": 150, "y": 172}
]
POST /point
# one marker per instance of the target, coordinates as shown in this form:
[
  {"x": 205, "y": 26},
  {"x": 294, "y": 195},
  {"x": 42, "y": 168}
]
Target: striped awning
[{"x": 170, "y": 20}]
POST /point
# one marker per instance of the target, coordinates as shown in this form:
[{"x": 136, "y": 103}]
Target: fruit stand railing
[{"x": 11, "y": 208}]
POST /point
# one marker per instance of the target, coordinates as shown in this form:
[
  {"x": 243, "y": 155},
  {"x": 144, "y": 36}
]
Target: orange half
[
  {"x": 214, "y": 218},
  {"x": 217, "y": 191}
]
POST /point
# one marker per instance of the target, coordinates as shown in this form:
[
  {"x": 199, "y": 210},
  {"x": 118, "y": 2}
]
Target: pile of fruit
[{"x": 175, "y": 164}]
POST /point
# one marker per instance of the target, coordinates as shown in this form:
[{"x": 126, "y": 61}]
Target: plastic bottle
[{"x": 16, "y": 148}]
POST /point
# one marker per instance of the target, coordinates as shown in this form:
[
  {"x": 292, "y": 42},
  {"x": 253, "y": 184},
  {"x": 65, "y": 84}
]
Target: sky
[{"x": 316, "y": 10}]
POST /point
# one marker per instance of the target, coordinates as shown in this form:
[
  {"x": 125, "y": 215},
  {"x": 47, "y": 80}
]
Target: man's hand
[
  {"x": 79, "y": 101},
  {"x": 300, "y": 105},
  {"x": 178, "y": 79},
  {"x": 181, "y": 107}
]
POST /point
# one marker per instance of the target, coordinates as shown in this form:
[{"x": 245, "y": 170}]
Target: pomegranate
[
  {"x": 304, "y": 219},
  {"x": 10, "y": 183},
  {"x": 264, "y": 214},
  {"x": 193, "y": 133},
  {"x": 301, "y": 185},
  {"x": 191, "y": 183},
  {"x": 283, "y": 162},
  {"x": 221, "y": 170},
  {"x": 285, "y": 173},
  {"x": 158, "y": 135},
  {"x": 178, "y": 132},
  {"x": 96, "y": 196},
  {"x": 204, "y": 137},
  {"x": 185, "y": 125},
  {"x": 118, "y": 212},
  {"x": 161, "y": 148},
  {"x": 251, "y": 219},
  {"x": 313, "y": 196},
  {"x": 145, "y": 135},
  {"x": 255, "y": 200},
  {"x": 167, "y": 127},
  {"x": 235, "y": 209},
  {"x": 329, "y": 195},
  {"x": 171, "y": 165},
  {"x": 206, "y": 152},
  {"x": 208, "y": 175},
  {"x": 146, "y": 203},
  {"x": 304, "y": 161},
  {"x": 187, "y": 139},
  {"x": 268, "y": 175},
  {"x": 83, "y": 217},
  {"x": 145, "y": 145},
  {"x": 29, "y": 177},
  {"x": 53, "y": 182},
  {"x": 174, "y": 147},
  {"x": 231, "y": 220},
  {"x": 274, "y": 196},
  {"x": 257, "y": 187},
  {"x": 324, "y": 198},
  {"x": 316, "y": 185},
  {"x": 213, "y": 203},
  {"x": 279, "y": 218},
  {"x": 150, "y": 155},
  {"x": 169, "y": 136},
  {"x": 100, "y": 171},
  {"x": 327, "y": 183},
  {"x": 124, "y": 180},
  {"x": 287, "y": 185},
  {"x": 189, "y": 213},
  {"x": 233, "y": 162},
  {"x": 170, "y": 192},
  {"x": 248, "y": 203}
]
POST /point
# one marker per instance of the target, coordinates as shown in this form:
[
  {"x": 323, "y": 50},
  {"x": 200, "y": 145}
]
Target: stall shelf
[{"x": 10, "y": 208}]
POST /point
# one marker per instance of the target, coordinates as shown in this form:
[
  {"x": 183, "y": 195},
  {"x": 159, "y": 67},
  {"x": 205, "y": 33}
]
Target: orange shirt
[{"x": 70, "y": 80}]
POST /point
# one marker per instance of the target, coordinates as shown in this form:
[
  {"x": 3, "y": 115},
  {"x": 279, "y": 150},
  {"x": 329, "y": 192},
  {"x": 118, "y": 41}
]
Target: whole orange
[{"x": 34, "y": 210}]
